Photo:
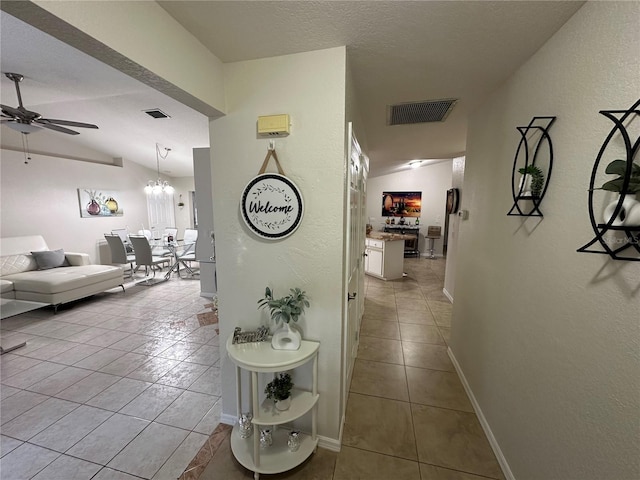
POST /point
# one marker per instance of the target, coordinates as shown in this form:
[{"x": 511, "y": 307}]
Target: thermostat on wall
[{"x": 273, "y": 125}]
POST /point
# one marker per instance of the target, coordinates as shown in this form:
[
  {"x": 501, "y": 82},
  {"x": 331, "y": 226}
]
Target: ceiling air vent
[
  {"x": 420, "y": 112},
  {"x": 156, "y": 113}
]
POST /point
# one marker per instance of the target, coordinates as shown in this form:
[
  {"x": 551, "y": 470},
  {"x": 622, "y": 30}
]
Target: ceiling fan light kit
[
  {"x": 22, "y": 120},
  {"x": 22, "y": 127}
]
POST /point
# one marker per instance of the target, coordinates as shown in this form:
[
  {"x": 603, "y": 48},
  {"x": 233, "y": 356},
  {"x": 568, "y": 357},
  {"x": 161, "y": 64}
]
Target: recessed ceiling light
[{"x": 415, "y": 163}]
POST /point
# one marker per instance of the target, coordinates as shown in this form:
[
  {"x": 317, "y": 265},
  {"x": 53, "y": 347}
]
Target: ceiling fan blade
[
  {"x": 57, "y": 128},
  {"x": 68, "y": 123},
  {"x": 11, "y": 111}
]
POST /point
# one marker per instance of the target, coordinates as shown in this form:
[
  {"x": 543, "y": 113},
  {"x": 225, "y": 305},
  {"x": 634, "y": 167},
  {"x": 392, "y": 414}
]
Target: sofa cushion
[
  {"x": 50, "y": 259},
  {"x": 10, "y": 264},
  {"x": 56, "y": 280},
  {"x": 6, "y": 286}
]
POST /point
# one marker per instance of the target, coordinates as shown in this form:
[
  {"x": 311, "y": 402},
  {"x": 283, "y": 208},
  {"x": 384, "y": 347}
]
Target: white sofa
[{"x": 21, "y": 279}]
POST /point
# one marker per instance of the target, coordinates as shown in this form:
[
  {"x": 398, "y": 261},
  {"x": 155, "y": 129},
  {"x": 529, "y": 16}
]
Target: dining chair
[
  {"x": 119, "y": 255},
  {"x": 144, "y": 257},
  {"x": 123, "y": 233},
  {"x": 188, "y": 253}
]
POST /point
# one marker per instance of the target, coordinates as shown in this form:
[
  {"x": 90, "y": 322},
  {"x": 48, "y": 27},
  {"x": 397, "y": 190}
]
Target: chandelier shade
[{"x": 159, "y": 186}]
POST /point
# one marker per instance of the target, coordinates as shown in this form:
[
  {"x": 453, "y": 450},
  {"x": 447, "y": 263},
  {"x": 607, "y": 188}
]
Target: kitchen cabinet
[{"x": 384, "y": 258}]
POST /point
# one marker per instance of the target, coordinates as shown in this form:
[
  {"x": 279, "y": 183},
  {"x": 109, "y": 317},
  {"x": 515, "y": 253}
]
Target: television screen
[{"x": 401, "y": 204}]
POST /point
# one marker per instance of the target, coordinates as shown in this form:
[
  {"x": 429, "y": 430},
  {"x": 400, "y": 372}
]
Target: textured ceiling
[{"x": 399, "y": 51}]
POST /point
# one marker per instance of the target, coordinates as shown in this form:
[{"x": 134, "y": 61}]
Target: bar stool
[{"x": 433, "y": 233}]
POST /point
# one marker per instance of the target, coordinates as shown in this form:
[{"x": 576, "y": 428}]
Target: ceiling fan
[{"x": 26, "y": 121}]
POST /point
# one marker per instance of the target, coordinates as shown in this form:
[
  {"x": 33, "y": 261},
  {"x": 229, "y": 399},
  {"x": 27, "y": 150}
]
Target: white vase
[
  {"x": 629, "y": 214},
  {"x": 524, "y": 188},
  {"x": 286, "y": 338},
  {"x": 283, "y": 405}
]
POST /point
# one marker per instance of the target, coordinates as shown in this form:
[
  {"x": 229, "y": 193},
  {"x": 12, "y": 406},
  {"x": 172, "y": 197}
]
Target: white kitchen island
[{"x": 384, "y": 255}]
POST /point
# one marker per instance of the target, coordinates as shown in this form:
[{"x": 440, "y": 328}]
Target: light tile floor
[
  {"x": 408, "y": 416},
  {"x": 115, "y": 387}
]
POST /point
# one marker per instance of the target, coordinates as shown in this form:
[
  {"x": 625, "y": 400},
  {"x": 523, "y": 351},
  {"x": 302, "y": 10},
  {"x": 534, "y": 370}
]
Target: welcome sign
[{"x": 272, "y": 206}]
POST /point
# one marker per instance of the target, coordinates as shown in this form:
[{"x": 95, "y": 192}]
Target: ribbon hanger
[{"x": 271, "y": 153}]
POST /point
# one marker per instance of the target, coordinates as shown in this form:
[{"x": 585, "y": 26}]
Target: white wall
[
  {"x": 310, "y": 87},
  {"x": 432, "y": 180},
  {"x": 548, "y": 338},
  {"x": 42, "y": 198},
  {"x": 182, "y": 185}
]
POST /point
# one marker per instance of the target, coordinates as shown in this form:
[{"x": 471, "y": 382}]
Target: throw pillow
[{"x": 50, "y": 259}]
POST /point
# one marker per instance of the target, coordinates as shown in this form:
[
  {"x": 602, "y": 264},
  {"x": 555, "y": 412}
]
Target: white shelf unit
[{"x": 258, "y": 358}]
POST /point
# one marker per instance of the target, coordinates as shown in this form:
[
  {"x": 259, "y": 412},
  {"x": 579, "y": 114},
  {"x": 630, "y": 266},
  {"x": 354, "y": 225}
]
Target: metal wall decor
[
  {"x": 271, "y": 204},
  {"x": 535, "y": 151},
  {"x": 261, "y": 334},
  {"x": 616, "y": 235}
]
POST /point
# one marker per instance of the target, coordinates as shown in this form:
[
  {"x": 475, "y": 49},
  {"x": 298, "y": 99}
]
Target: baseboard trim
[
  {"x": 228, "y": 419},
  {"x": 506, "y": 470},
  {"x": 329, "y": 443},
  {"x": 447, "y": 294}
]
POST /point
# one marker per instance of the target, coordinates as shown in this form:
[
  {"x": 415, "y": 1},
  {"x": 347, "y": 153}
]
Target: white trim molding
[
  {"x": 508, "y": 474},
  {"x": 329, "y": 443},
  {"x": 228, "y": 419},
  {"x": 447, "y": 294}
]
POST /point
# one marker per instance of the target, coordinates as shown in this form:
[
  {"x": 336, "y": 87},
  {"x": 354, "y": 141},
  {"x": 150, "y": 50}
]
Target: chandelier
[{"x": 159, "y": 186}]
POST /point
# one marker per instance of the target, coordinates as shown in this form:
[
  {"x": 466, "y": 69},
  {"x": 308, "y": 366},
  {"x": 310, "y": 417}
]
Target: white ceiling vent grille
[
  {"x": 420, "y": 112},
  {"x": 156, "y": 113}
]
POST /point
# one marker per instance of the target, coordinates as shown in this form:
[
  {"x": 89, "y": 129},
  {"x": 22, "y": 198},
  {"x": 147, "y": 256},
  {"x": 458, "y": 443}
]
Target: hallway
[{"x": 408, "y": 416}]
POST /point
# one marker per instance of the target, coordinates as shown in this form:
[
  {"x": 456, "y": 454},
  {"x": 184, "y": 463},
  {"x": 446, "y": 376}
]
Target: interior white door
[
  {"x": 161, "y": 213},
  {"x": 355, "y": 244}
]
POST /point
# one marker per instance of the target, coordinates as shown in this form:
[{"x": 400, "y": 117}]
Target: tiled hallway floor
[
  {"x": 116, "y": 387},
  {"x": 408, "y": 416}
]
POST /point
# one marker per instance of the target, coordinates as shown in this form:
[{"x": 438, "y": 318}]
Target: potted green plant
[
  {"x": 535, "y": 177},
  {"x": 279, "y": 390},
  {"x": 629, "y": 212},
  {"x": 619, "y": 167},
  {"x": 285, "y": 309}
]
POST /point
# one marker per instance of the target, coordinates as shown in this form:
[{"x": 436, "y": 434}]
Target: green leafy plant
[
  {"x": 287, "y": 308},
  {"x": 280, "y": 387},
  {"x": 619, "y": 167},
  {"x": 537, "y": 178}
]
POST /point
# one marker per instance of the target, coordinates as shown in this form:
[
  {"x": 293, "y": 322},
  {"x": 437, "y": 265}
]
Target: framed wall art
[
  {"x": 99, "y": 203},
  {"x": 401, "y": 204}
]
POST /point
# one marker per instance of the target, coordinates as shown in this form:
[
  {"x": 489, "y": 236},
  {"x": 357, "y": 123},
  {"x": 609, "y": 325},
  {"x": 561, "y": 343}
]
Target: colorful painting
[
  {"x": 99, "y": 203},
  {"x": 401, "y": 204}
]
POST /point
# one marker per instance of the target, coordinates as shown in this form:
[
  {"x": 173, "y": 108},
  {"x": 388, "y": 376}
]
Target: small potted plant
[
  {"x": 285, "y": 309},
  {"x": 279, "y": 390},
  {"x": 629, "y": 211},
  {"x": 535, "y": 177}
]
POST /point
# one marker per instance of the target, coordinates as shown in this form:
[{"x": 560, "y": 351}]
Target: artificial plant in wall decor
[
  {"x": 532, "y": 166},
  {"x": 617, "y": 225}
]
